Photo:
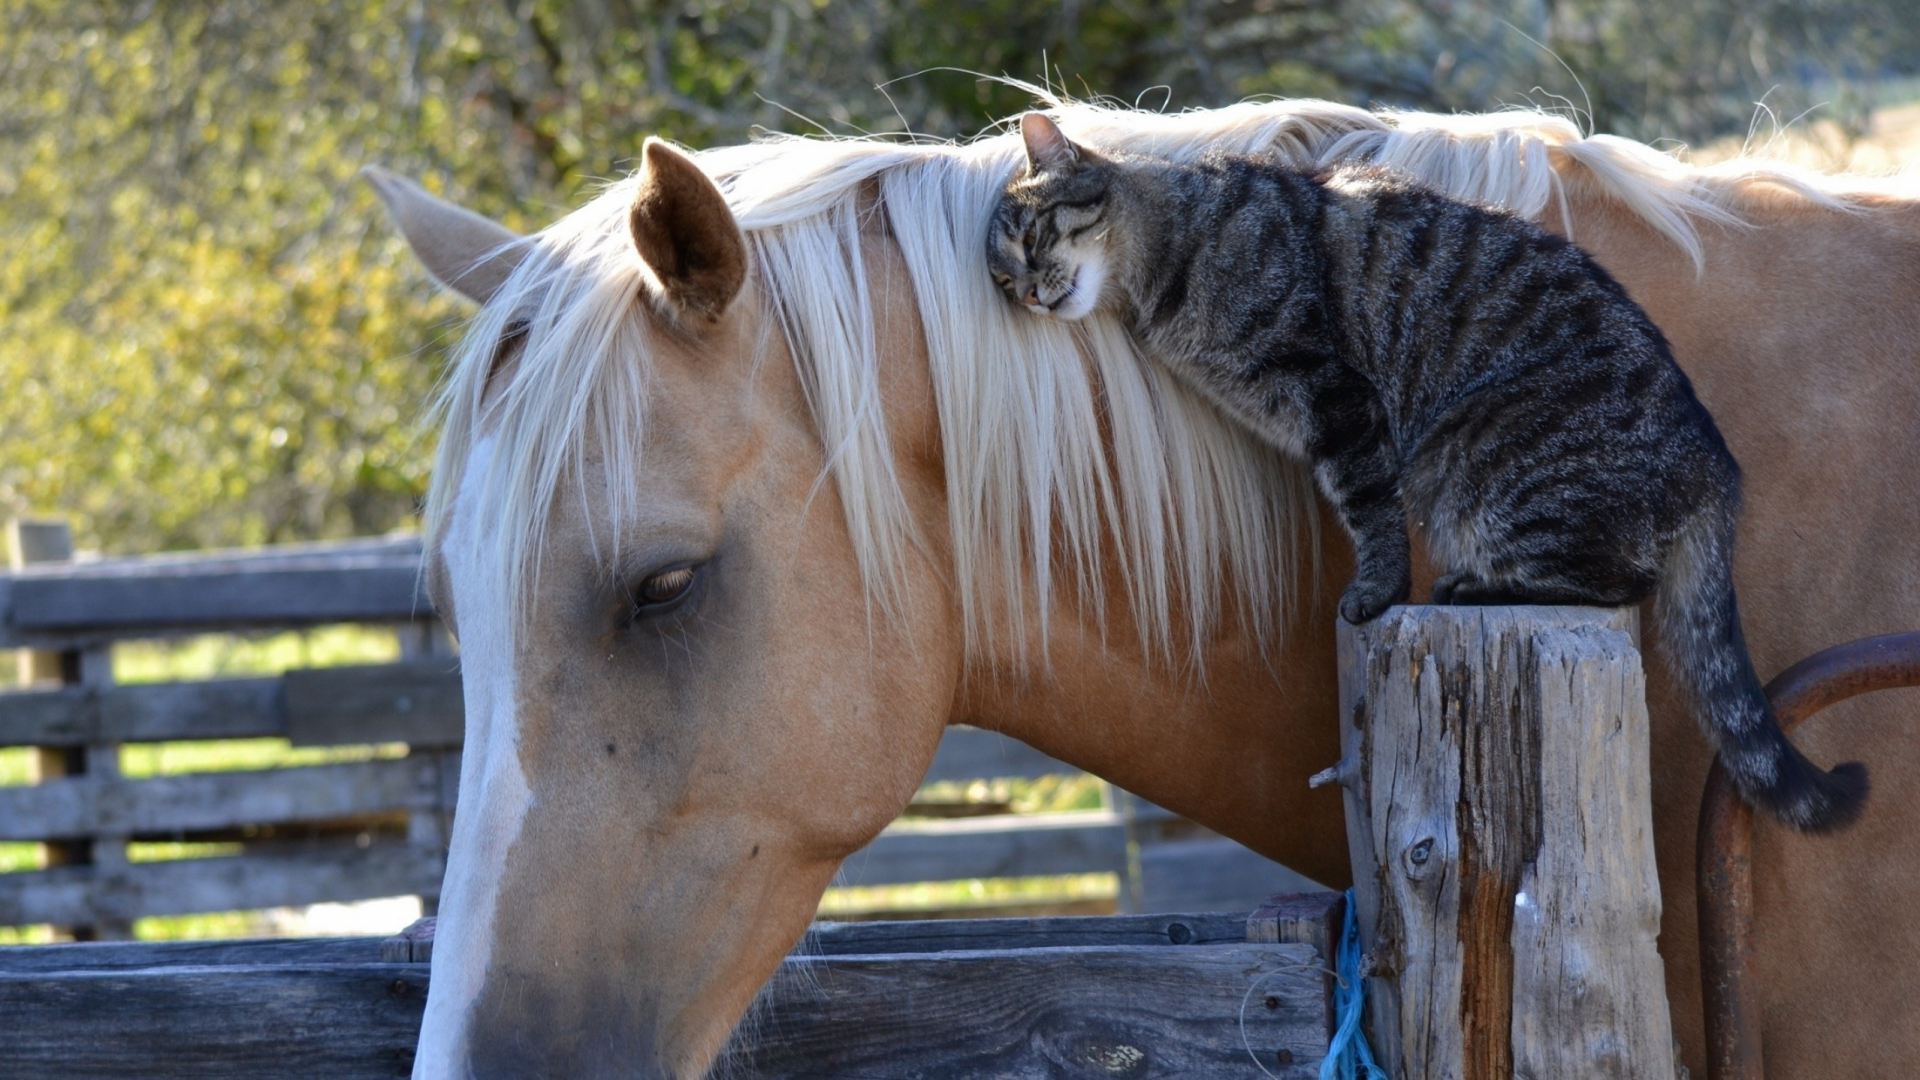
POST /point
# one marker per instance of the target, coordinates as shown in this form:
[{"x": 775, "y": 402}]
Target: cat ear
[
  {"x": 1048, "y": 148},
  {"x": 685, "y": 233}
]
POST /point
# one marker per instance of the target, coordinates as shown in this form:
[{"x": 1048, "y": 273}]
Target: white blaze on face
[{"x": 493, "y": 790}]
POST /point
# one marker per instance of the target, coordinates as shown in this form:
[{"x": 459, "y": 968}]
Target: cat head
[{"x": 1047, "y": 247}]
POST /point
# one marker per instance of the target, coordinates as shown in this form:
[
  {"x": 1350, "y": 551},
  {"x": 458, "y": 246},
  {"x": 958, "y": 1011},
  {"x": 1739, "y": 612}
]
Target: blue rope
[{"x": 1348, "y": 1055}]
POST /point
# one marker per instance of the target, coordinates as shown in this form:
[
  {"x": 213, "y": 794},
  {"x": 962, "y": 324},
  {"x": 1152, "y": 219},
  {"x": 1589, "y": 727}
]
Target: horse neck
[{"x": 1227, "y": 738}]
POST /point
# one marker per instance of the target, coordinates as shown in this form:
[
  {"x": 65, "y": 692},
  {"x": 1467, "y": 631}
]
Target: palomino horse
[{"x": 750, "y": 484}]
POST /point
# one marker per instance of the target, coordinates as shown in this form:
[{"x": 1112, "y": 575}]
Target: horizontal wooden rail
[
  {"x": 67, "y": 604},
  {"x": 1175, "y": 995},
  {"x": 271, "y": 875},
  {"x": 1076, "y": 842},
  {"x": 84, "y": 805},
  {"x": 418, "y": 703},
  {"x": 1314, "y": 917},
  {"x": 82, "y": 607},
  {"x": 154, "y": 712}
]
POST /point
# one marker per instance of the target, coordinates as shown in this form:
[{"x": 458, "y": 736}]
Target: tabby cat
[{"x": 1435, "y": 359}]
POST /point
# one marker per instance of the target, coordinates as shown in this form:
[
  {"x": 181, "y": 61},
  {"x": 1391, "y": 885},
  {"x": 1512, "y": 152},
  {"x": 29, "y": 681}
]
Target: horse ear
[
  {"x": 1048, "y": 148},
  {"x": 685, "y": 233},
  {"x": 462, "y": 250}
]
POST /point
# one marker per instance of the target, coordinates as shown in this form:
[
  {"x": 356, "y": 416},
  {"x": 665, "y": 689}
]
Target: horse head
[{"x": 643, "y": 826}]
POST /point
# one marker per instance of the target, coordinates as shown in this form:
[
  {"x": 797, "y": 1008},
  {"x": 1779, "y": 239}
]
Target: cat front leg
[{"x": 1358, "y": 470}]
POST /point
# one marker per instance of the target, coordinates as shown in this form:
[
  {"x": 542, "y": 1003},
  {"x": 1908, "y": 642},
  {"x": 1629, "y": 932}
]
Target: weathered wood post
[
  {"x": 39, "y": 542},
  {"x": 1496, "y": 774}
]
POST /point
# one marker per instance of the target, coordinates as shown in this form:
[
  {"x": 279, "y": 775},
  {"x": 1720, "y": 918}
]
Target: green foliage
[
  {"x": 205, "y": 656},
  {"x": 209, "y": 335}
]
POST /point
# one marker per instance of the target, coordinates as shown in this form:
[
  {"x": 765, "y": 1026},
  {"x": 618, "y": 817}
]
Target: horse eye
[{"x": 665, "y": 587}]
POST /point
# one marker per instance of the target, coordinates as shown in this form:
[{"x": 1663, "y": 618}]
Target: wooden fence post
[
  {"x": 1496, "y": 774},
  {"x": 30, "y": 542}
]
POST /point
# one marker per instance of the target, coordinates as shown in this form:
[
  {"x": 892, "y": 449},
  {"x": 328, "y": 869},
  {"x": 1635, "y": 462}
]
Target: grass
[
  {"x": 1021, "y": 795},
  {"x": 207, "y": 656},
  {"x": 945, "y": 896}
]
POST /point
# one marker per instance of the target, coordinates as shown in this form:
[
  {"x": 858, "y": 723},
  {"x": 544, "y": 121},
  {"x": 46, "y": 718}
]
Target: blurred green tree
[{"x": 209, "y": 335}]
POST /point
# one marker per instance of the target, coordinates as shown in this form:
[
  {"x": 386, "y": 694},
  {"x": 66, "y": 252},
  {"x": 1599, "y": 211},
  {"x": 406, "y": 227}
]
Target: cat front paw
[
  {"x": 1365, "y": 600},
  {"x": 1448, "y": 584}
]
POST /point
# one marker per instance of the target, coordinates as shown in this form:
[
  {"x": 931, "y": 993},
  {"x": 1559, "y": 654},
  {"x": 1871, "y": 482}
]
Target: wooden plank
[
  {"x": 829, "y": 938},
  {"x": 1293, "y": 919},
  {"x": 1212, "y": 874},
  {"x": 1310, "y": 918},
  {"x": 29, "y": 542},
  {"x": 418, "y": 703},
  {"x": 147, "y": 712},
  {"x": 1300, "y": 918},
  {"x": 85, "y": 805},
  {"x": 1049, "y": 932},
  {"x": 136, "y": 955},
  {"x": 1128, "y": 1011},
  {"x": 341, "y": 1022},
  {"x": 270, "y": 875},
  {"x": 970, "y": 753},
  {"x": 373, "y": 581},
  {"x": 1074, "y": 842},
  {"x": 1131, "y": 1011},
  {"x": 1511, "y": 928}
]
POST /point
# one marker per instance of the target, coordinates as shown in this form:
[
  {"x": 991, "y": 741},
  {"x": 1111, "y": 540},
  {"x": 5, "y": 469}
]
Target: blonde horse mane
[{"x": 1063, "y": 450}]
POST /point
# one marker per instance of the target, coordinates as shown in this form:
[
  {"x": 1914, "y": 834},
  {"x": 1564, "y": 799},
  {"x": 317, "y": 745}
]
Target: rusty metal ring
[{"x": 1724, "y": 856}]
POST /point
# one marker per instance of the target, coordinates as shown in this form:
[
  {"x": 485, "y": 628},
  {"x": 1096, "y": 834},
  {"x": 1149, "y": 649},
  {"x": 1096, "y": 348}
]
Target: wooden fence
[
  {"x": 1224, "y": 996},
  {"x": 378, "y": 827},
  {"x": 1499, "y": 819}
]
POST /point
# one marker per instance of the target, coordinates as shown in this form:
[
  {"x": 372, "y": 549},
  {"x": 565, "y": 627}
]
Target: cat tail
[{"x": 1700, "y": 624}]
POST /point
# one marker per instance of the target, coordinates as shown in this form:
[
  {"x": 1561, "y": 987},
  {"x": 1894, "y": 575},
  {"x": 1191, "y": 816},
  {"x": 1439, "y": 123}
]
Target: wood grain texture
[
  {"x": 415, "y": 943},
  {"x": 1498, "y": 812},
  {"x": 1073, "y": 842},
  {"x": 1061, "y": 931},
  {"x": 355, "y": 1022},
  {"x": 305, "y": 584},
  {"x": 1214, "y": 1012},
  {"x": 85, "y": 805},
  {"x": 271, "y": 875},
  {"x": 328, "y": 1009},
  {"x": 1302, "y": 920},
  {"x": 418, "y": 703},
  {"x": 139, "y": 955},
  {"x": 1587, "y": 916},
  {"x": 1307, "y": 918},
  {"x": 150, "y": 712},
  {"x": 969, "y": 753},
  {"x": 1211, "y": 873}
]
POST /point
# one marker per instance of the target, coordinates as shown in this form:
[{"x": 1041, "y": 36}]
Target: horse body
[
  {"x": 652, "y": 806},
  {"x": 1803, "y": 339}
]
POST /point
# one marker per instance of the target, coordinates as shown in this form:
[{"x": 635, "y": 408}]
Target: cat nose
[{"x": 1033, "y": 295}]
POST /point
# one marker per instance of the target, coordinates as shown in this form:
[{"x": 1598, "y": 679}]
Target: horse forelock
[{"x": 1066, "y": 457}]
